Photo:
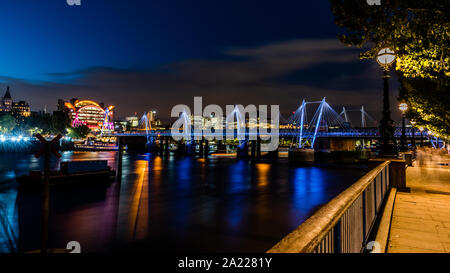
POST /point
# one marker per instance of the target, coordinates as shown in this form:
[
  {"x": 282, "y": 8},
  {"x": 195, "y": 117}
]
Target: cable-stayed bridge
[{"x": 324, "y": 122}]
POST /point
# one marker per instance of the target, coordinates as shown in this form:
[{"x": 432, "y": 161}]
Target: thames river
[{"x": 169, "y": 204}]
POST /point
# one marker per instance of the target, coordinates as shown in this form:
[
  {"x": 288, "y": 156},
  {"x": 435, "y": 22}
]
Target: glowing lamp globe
[
  {"x": 421, "y": 128},
  {"x": 385, "y": 57},
  {"x": 403, "y": 107}
]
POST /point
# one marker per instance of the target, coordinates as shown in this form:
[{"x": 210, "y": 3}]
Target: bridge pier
[
  {"x": 151, "y": 145},
  {"x": 253, "y": 151},
  {"x": 200, "y": 147},
  {"x": 166, "y": 146},
  {"x": 206, "y": 149},
  {"x": 181, "y": 147},
  {"x": 258, "y": 149},
  {"x": 220, "y": 145},
  {"x": 190, "y": 147},
  {"x": 301, "y": 156},
  {"x": 273, "y": 155},
  {"x": 161, "y": 145},
  {"x": 119, "y": 159},
  {"x": 242, "y": 150}
]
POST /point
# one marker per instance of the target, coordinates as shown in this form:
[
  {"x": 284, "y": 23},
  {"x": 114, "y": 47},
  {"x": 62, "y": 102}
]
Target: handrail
[{"x": 309, "y": 235}]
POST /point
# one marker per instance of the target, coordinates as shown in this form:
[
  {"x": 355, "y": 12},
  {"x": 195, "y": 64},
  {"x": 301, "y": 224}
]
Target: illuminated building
[
  {"x": 120, "y": 126},
  {"x": 7, "y": 105},
  {"x": 22, "y": 108},
  {"x": 90, "y": 113},
  {"x": 154, "y": 122},
  {"x": 133, "y": 122}
]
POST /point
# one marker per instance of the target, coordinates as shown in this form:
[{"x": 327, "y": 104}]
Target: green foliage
[
  {"x": 419, "y": 33},
  {"x": 7, "y": 123},
  {"x": 59, "y": 122},
  {"x": 38, "y": 123},
  {"x": 428, "y": 102},
  {"x": 79, "y": 132}
]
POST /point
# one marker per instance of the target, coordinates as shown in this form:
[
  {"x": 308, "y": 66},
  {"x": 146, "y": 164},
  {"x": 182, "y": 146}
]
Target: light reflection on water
[{"x": 168, "y": 204}]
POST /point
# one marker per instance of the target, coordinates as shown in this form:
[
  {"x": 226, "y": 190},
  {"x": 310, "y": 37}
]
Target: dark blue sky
[
  {"x": 160, "y": 53},
  {"x": 43, "y": 37}
]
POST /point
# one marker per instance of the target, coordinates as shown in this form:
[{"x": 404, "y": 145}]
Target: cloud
[{"x": 280, "y": 73}]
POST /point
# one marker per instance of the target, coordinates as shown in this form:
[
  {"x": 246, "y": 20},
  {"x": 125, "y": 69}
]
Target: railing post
[
  {"x": 364, "y": 215},
  {"x": 338, "y": 231},
  {"x": 375, "y": 195},
  {"x": 337, "y": 247},
  {"x": 381, "y": 183}
]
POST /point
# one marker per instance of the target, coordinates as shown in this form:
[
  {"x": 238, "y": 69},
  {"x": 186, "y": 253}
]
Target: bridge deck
[{"x": 421, "y": 218}]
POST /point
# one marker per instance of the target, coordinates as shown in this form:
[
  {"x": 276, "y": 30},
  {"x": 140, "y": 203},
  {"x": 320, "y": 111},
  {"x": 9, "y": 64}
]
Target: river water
[{"x": 169, "y": 204}]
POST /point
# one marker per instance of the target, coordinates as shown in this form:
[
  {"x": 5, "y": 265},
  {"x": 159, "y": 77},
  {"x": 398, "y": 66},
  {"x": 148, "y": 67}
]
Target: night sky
[{"x": 151, "y": 55}]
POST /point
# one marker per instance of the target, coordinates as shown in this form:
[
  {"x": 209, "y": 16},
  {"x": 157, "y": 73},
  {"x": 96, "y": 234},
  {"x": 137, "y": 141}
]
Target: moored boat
[{"x": 71, "y": 172}]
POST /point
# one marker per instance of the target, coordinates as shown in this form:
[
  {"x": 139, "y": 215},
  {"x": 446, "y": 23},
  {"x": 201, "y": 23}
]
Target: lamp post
[
  {"x": 413, "y": 132},
  {"x": 385, "y": 58},
  {"x": 403, "y": 107},
  {"x": 421, "y": 135}
]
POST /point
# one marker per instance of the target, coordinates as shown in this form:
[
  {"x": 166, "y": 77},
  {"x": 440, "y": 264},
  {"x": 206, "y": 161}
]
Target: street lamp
[
  {"x": 413, "y": 133},
  {"x": 403, "y": 107},
  {"x": 385, "y": 58}
]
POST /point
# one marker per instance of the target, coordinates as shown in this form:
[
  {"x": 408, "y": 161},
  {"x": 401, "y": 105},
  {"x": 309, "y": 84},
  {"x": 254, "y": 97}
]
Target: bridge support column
[
  {"x": 242, "y": 150},
  {"x": 220, "y": 145},
  {"x": 273, "y": 155},
  {"x": 253, "y": 151},
  {"x": 119, "y": 159},
  {"x": 161, "y": 145},
  {"x": 258, "y": 149},
  {"x": 206, "y": 149},
  {"x": 181, "y": 147},
  {"x": 200, "y": 147},
  {"x": 151, "y": 145},
  {"x": 190, "y": 147},
  {"x": 300, "y": 156},
  {"x": 166, "y": 146}
]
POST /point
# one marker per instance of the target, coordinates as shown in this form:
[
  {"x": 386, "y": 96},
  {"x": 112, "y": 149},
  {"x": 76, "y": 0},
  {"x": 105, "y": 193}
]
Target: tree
[
  {"x": 79, "y": 132},
  {"x": 60, "y": 121},
  {"x": 7, "y": 123},
  {"x": 419, "y": 33},
  {"x": 428, "y": 102}
]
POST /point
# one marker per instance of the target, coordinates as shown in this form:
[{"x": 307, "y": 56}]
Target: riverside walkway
[{"x": 421, "y": 218}]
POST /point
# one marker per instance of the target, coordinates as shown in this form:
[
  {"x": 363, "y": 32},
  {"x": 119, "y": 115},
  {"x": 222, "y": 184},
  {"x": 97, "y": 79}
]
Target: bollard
[{"x": 397, "y": 171}]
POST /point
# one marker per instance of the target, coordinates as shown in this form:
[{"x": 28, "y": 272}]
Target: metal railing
[{"x": 343, "y": 224}]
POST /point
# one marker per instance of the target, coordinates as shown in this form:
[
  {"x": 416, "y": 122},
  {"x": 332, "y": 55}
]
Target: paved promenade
[{"x": 421, "y": 218}]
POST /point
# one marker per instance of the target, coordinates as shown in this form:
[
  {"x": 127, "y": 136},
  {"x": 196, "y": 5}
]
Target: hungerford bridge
[{"x": 301, "y": 130}]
